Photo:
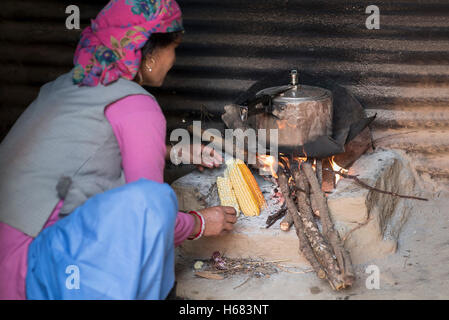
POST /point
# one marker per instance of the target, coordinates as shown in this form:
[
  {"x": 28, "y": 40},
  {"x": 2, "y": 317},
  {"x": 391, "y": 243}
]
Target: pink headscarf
[{"x": 110, "y": 47}]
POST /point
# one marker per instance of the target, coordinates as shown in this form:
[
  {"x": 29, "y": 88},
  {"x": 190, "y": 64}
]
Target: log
[
  {"x": 328, "y": 177},
  {"x": 343, "y": 257},
  {"x": 286, "y": 223},
  {"x": 322, "y": 250},
  {"x": 304, "y": 245}
]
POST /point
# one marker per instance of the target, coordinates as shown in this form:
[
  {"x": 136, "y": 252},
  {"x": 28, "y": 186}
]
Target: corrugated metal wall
[{"x": 400, "y": 71}]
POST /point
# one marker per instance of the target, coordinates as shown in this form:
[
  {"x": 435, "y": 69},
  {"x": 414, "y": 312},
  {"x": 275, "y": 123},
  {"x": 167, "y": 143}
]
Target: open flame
[
  {"x": 300, "y": 159},
  {"x": 267, "y": 163},
  {"x": 336, "y": 167}
]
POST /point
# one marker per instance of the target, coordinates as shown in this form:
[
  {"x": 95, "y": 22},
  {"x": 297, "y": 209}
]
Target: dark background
[{"x": 400, "y": 71}]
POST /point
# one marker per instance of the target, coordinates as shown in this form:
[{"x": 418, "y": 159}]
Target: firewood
[
  {"x": 343, "y": 257},
  {"x": 286, "y": 223},
  {"x": 328, "y": 177},
  {"x": 323, "y": 251},
  {"x": 275, "y": 217},
  {"x": 319, "y": 171},
  {"x": 292, "y": 211}
]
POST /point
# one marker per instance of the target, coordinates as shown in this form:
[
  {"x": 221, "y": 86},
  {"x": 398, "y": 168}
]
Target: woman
[{"x": 84, "y": 213}]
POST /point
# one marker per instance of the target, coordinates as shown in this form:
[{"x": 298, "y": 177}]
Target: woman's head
[
  {"x": 110, "y": 48},
  {"x": 158, "y": 56}
]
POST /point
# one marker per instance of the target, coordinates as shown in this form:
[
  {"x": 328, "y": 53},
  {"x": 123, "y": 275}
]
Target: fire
[
  {"x": 267, "y": 163},
  {"x": 300, "y": 159},
  {"x": 280, "y": 124},
  {"x": 284, "y": 160},
  {"x": 336, "y": 167},
  {"x": 304, "y": 159}
]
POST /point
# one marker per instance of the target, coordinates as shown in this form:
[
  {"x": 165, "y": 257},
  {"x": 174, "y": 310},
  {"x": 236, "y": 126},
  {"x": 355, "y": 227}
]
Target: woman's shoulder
[{"x": 138, "y": 103}]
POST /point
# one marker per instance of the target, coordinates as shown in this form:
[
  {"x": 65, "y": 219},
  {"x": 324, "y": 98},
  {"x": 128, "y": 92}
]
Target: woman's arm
[{"x": 140, "y": 127}]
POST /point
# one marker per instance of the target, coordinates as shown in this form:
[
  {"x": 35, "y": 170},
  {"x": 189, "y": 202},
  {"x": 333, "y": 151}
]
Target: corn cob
[
  {"x": 226, "y": 194},
  {"x": 244, "y": 194},
  {"x": 252, "y": 183}
]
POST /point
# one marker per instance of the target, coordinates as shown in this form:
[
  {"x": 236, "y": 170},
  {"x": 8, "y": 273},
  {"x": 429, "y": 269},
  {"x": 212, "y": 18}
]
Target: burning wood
[
  {"x": 268, "y": 164},
  {"x": 325, "y": 169},
  {"x": 320, "y": 247},
  {"x": 324, "y": 251},
  {"x": 343, "y": 257},
  {"x": 337, "y": 168},
  {"x": 275, "y": 217},
  {"x": 292, "y": 211}
]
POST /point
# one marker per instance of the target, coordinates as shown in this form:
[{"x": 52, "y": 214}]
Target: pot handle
[{"x": 294, "y": 75}]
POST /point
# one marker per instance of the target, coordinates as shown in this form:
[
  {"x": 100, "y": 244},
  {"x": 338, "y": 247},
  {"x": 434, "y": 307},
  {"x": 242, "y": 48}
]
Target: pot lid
[{"x": 297, "y": 92}]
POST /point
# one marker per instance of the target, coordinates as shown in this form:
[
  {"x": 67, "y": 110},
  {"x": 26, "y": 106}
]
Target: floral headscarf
[{"x": 110, "y": 47}]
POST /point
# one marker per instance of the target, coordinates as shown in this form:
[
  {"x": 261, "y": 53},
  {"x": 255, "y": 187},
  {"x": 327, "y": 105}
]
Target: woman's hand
[
  {"x": 218, "y": 220},
  {"x": 209, "y": 158},
  {"x": 207, "y": 155}
]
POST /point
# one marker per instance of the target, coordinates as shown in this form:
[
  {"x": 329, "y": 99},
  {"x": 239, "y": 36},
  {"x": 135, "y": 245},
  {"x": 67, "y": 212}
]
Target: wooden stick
[
  {"x": 304, "y": 245},
  {"x": 327, "y": 184},
  {"x": 319, "y": 171},
  {"x": 283, "y": 268},
  {"x": 275, "y": 217},
  {"x": 343, "y": 258},
  {"x": 366, "y": 186},
  {"x": 320, "y": 247},
  {"x": 286, "y": 223},
  {"x": 355, "y": 228},
  {"x": 243, "y": 282}
]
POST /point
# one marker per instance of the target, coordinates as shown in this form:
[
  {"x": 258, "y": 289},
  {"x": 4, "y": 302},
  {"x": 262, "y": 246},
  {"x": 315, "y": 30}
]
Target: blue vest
[{"x": 62, "y": 146}]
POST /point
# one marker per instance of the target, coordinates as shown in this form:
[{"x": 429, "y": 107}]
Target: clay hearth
[{"x": 351, "y": 207}]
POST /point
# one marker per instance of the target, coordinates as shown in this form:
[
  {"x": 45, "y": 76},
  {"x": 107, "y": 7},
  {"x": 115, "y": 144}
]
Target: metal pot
[{"x": 301, "y": 114}]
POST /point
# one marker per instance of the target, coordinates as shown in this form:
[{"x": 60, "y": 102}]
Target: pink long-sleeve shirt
[{"x": 139, "y": 126}]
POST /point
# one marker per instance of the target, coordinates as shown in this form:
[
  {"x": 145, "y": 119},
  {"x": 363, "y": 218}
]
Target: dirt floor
[{"x": 418, "y": 270}]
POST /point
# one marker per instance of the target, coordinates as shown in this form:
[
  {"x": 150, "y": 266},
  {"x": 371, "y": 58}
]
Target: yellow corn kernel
[
  {"x": 252, "y": 183},
  {"x": 245, "y": 197},
  {"x": 226, "y": 194}
]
